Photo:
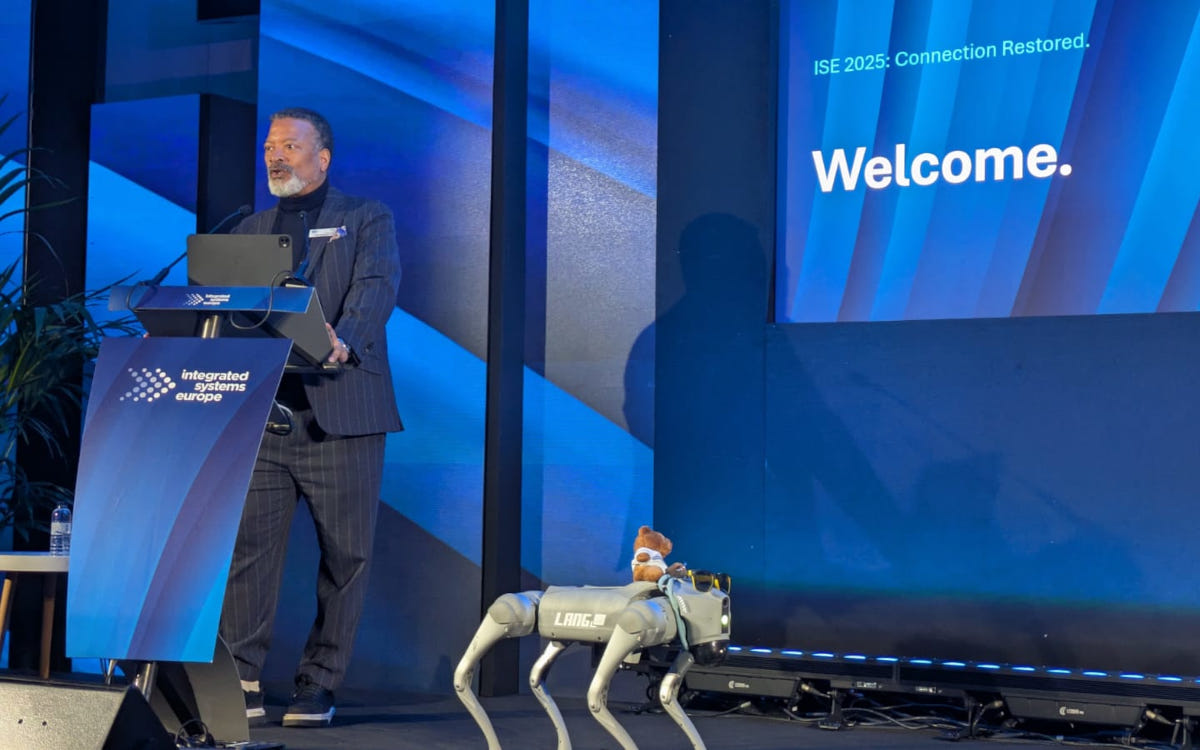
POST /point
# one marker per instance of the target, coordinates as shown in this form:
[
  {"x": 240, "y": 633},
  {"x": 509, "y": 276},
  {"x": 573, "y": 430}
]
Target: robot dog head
[{"x": 705, "y": 616}]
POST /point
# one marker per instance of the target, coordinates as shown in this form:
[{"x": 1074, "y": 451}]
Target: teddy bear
[{"x": 649, "y": 550}]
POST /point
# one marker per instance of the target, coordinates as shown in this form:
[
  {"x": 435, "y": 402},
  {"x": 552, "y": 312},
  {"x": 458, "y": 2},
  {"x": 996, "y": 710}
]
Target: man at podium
[{"x": 329, "y": 447}]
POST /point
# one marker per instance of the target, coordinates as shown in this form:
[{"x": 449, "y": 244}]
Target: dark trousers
[{"x": 339, "y": 478}]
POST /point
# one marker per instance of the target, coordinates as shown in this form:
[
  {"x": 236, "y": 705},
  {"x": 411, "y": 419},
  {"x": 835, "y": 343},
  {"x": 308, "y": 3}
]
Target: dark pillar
[
  {"x": 228, "y": 159},
  {"x": 65, "y": 78},
  {"x": 716, "y": 237},
  {"x": 498, "y": 672}
]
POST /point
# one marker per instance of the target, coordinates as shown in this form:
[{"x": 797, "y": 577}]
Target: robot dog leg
[
  {"x": 642, "y": 624},
  {"x": 668, "y": 692},
  {"x": 537, "y": 682},
  {"x": 700, "y": 623},
  {"x": 510, "y": 616}
]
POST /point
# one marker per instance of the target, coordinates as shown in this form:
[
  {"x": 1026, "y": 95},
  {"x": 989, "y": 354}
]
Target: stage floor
[{"x": 367, "y": 722}]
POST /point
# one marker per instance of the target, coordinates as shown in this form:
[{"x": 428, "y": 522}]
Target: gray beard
[{"x": 286, "y": 188}]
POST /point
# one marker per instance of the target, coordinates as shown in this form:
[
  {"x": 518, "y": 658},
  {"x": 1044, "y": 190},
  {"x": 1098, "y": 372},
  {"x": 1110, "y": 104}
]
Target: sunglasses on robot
[{"x": 704, "y": 580}]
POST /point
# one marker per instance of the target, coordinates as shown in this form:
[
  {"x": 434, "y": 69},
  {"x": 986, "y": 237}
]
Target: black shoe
[
  {"x": 256, "y": 713},
  {"x": 311, "y": 706}
]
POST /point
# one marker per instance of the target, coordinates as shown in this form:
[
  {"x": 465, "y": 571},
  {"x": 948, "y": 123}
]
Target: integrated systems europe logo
[{"x": 208, "y": 387}]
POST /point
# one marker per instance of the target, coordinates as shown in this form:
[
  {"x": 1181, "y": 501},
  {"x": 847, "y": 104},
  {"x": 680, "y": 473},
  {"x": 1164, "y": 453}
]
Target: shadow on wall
[
  {"x": 708, "y": 397},
  {"x": 719, "y": 256}
]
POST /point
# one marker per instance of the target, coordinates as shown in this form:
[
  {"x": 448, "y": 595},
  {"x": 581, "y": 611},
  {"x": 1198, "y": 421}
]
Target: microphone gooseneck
[{"x": 243, "y": 211}]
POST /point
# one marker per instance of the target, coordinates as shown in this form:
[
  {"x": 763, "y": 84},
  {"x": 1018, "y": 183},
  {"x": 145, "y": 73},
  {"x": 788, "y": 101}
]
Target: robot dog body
[{"x": 628, "y": 618}]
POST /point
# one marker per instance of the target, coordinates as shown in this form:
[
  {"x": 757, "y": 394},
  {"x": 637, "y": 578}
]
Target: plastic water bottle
[{"x": 60, "y": 531}]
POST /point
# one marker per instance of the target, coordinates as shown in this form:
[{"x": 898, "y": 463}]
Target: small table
[{"x": 12, "y": 564}]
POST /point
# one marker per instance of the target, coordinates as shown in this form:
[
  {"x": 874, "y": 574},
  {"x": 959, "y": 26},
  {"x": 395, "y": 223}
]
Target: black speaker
[{"x": 53, "y": 715}]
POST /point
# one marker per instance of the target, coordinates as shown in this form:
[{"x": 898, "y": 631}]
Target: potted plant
[{"x": 43, "y": 350}]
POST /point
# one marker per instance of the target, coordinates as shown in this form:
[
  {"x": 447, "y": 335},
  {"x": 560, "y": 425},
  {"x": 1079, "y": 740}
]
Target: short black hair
[{"x": 324, "y": 132}]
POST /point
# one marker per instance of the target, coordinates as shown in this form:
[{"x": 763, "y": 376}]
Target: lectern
[{"x": 173, "y": 426}]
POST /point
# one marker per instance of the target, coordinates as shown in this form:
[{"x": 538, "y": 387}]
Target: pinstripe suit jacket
[{"x": 356, "y": 278}]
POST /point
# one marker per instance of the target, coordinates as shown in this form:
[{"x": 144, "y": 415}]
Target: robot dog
[{"x": 628, "y": 618}]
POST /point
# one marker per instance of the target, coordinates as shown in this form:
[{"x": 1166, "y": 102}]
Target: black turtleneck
[{"x": 297, "y": 214}]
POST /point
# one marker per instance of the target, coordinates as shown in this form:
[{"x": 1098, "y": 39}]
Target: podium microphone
[{"x": 243, "y": 211}]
